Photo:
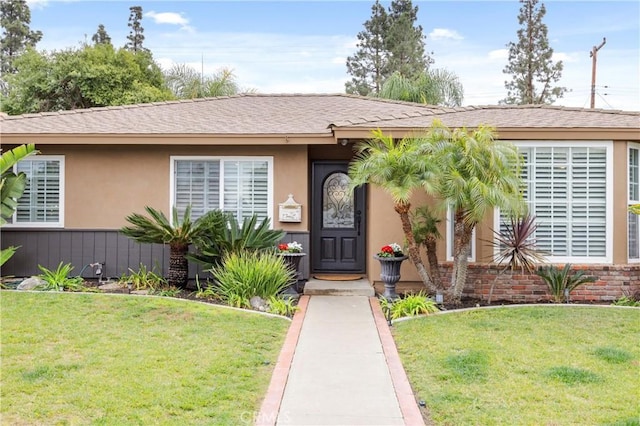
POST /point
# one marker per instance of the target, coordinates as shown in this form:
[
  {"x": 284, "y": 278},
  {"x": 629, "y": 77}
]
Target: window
[
  {"x": 242, "y": 185},
  {"x": 634, "y": 198},
  {"x": 567, "y": 189},
  {"x": 41, "y": 204},
  {"x": 450, "y": 232}
]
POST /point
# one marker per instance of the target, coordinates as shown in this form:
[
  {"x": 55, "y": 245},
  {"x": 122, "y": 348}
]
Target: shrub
[
  {"x": 59, "y": 279},
  {"x": 628, "y": 299},
  {"x": 144, "y": 279},
  {"x": 561, "y": 282},
  {"x": 409, "y": 306},
  {"x": 279, "y": 306},
  {"x": 244, "y": 275}
]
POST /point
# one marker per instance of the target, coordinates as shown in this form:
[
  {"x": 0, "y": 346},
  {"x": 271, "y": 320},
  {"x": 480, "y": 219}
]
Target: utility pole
[{"x": 594, "y": 55}]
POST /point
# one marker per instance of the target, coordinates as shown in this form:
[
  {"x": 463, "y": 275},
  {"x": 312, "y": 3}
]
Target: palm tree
[
  {"x": 433, "y": 87},
  {"x": 399, "y": 169},
  {"x": 186, "y": 83},
  {"x": 475, "y": 174},
  {"x": 157, "y": 229}
]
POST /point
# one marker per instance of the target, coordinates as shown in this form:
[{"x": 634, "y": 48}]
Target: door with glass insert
[{"x": 338, "y": 220}]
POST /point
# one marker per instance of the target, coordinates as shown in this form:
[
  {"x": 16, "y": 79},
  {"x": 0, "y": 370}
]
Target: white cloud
[
  {"x": 171, "y": 18},
  {"x": 444, "y": 34}
]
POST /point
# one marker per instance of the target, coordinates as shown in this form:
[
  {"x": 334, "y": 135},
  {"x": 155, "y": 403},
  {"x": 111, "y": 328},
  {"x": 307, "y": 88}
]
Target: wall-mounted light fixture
[{"x": 343, "y": 142}]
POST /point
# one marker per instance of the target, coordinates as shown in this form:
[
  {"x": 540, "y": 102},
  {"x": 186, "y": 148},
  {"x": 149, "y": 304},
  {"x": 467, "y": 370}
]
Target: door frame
[{"x": 315, "y": 217}]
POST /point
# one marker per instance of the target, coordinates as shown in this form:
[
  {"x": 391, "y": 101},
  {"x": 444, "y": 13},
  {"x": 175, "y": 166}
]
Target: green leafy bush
[
  {"x": 244, "y": 275},
  {"x": 280, "y": 306},
  {"x": 143, "y": 279},
  {"x": 627, "y": 301},
  {"x": 166, "y": 291},
  {"x": 409, "y": 306},
  {"x": 59, "y": 279},
  {"x": 561, "y": 282}
]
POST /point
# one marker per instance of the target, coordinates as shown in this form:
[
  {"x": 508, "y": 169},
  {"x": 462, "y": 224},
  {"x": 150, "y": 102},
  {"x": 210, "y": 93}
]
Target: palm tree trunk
[
  {"x": 432, "y": 257},
  {"x": 413, "y": 249},
  {"x": 462, "y": 233},
  {"x": 178, "y": 266}
]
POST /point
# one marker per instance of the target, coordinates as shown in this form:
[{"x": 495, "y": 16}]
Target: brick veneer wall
[{"x": 613, "y": 282}]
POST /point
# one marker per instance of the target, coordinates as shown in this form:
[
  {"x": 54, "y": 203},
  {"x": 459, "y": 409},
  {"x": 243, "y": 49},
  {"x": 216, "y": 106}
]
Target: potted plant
[
  {"x": 292, "y": 254},
  {"x": 390, "y": 257}
]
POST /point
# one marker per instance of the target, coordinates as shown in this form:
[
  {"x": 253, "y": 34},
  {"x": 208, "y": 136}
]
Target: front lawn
[
  {"x": 553, "y": 365},
  {"x": 99, "y": 359}
]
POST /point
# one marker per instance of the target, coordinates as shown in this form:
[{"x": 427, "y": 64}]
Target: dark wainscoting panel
[{"x": 48, "y": 248}]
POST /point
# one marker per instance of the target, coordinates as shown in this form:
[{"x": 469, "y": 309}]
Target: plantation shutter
[
  {"x": 197, "y": 183},
  {"x": 240, "y": 187},
  {"x": 565, "y": 188},
  {"x": 246, "y": 188},
  {"x": 40, "y": 201},
  {"x": 589, "y": 213}
]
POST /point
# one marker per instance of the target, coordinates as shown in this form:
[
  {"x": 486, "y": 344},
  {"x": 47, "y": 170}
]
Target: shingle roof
[
  {"x": 241, "y": 114},
  {"x": 513, "y": 116},
  {"x": 302, "y": 114}
]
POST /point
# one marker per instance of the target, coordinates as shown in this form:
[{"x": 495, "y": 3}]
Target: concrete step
[{"x": 360, "y": 287}]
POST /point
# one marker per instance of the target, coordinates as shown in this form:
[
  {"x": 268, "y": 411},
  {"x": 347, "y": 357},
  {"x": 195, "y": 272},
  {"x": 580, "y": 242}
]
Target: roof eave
[
  {"x": 509, "y": 133},
  {"x": 168, "y": 139}
]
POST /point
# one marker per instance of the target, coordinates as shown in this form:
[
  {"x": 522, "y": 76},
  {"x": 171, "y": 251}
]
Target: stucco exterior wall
[{"x": 104, "y": 183}]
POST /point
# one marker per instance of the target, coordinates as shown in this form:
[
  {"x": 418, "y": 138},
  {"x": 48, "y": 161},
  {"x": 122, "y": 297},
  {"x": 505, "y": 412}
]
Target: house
[{"x": 248, "y": 153}]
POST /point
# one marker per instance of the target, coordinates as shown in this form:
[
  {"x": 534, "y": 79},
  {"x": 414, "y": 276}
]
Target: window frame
[
  {"x": 608, "y": 146},
  {"x": 449, "y": 237},
  {"x": 221, "y": 158},
  {"x": 61, "y": 194},
  {"x": 631, "y": 146}
]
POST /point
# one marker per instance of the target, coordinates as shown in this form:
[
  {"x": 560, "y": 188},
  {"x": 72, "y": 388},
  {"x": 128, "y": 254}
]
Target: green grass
[
  {"x": 107, "y": 360},
  {"x": 525, "y": 366}
]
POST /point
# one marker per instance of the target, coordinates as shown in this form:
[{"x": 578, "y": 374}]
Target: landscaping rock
[
  {"x": 115, "y": 287},
  {"x": 258, "y": 303},
  {"x": 31, "y": 283}
]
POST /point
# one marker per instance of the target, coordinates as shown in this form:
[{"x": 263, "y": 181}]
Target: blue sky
[{"x": 301, "y": 46}]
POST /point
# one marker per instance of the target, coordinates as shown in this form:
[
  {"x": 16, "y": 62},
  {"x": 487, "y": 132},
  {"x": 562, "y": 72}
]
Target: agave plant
[
  {"x": 157, "y": 229},
  {"x": 561, "y": 282}
]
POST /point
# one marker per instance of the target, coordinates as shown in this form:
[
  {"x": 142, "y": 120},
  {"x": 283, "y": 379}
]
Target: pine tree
[
  {"x": 530, "y": 65},
  {"x": 405, "y": 41},
  {"x": 101, "y": 36},
  {"x": 390, "y": 42},
  {"x": 15, "y": 18},
  {"x": 368, "y": 64},
  {"x": 135, "y": 36}
]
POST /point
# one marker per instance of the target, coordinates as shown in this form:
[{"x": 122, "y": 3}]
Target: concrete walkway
[{"x": 339, "y": 366}]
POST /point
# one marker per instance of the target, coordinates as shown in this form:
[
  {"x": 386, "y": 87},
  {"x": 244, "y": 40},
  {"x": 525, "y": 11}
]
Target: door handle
[{"x": 358, "y": 220}]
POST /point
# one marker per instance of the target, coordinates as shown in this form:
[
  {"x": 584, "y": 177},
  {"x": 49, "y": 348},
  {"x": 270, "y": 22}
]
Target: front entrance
[{"x": 338, "y": 220}]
